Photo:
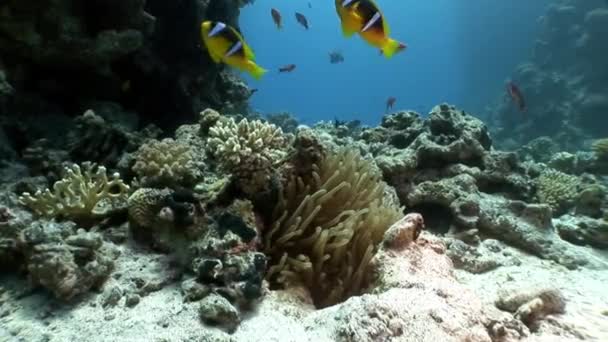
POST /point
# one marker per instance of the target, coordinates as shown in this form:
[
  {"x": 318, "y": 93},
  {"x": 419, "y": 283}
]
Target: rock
[
  {"x": 132, "y": 300},
  {"x": 217, "y": 310},
  {"x": 65, "y": 261},
  {"x": 581, "y": 230},
  {"x": 193, "y": 290},
  {"x": 404, "y": 231},
  {"x": 531, "y": 305},
  {"x": 111, "y": 295}
]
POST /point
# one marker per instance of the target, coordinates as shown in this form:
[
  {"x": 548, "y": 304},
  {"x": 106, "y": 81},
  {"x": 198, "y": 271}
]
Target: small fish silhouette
[{"x": 287, "y": 68}]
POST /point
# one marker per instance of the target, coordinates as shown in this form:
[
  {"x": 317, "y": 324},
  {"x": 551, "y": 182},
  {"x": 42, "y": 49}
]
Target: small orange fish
[
  {"x": 302, "y": 20},
  {"x": 287, "y": 68},
  {"x": 390, "y": 102},
  {"x": 276, "y": 17}
]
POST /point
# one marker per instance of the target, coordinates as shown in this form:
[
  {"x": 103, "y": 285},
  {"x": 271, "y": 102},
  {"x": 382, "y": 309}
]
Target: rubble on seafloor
[{"x": 232, "y": 230}]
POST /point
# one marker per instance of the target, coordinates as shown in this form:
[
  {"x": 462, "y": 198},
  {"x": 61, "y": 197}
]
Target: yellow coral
[
  {"x": 326, "y": 229},
  {"x": 600, "y": 147},
  {"x": 79, "y": 195},
  {"x": 557, "y": 189},
  {"x": 166, "y": 162}
]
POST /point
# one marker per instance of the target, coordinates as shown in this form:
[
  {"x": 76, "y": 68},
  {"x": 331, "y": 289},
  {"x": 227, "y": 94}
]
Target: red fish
[
  {"x": 276, "y": 17},
  {"x": 390, "y": 102},
  {"x": 302, "y": 20},
  {"x": 287, "y": 68},
  {"x": 517, "y": 96}
]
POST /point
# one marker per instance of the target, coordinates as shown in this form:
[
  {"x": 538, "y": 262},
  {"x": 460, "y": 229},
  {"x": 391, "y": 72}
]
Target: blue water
[{"x": 459, "y": 52}]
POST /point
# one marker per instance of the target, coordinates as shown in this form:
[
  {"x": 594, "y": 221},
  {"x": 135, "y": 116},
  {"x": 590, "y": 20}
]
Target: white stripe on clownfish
[
  {"x": 372, "y": 21},
  {"x": 219, "y": 27},
  {"x": 236, "y": 47}
]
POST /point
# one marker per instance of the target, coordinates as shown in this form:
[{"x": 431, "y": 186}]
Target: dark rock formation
[{"x": 62, "y": 57}]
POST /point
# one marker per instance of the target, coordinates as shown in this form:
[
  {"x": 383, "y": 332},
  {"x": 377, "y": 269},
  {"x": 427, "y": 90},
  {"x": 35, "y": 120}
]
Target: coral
[
  {"x": 43, "y": 159},
  {"x": 249, "y": 150},
  {"x": 557, "y": 189},
  {"x": 327, "y": 227},
  {"x": 80, "y": 196},
  {"x": 590, "y": 200},
  {"x": 102, "y": 137},
  {"x": 286, "y": 121},
  {"x": 231, "y": 141},
  {"x": 207, "y": 119},
  {"x": 65, "y": 260},
  {"x": 165, "y": 218},
  {"x": 166, "y": 163},
  {"x": 225, "y": 260},
  {"x": 144, "y": 206},
  {"x": 466, "y": 190},
  {"x": 540, "y": 149},
  {"x": 600, "y": 148}
]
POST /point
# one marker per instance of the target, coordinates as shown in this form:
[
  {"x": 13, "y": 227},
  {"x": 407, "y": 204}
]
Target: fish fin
[
  {"x": 385, "y": 27},
  {"x": 248, "y": 52},
  {"x": 390, "y": 47},
  {"x": 255, "y": 70}
]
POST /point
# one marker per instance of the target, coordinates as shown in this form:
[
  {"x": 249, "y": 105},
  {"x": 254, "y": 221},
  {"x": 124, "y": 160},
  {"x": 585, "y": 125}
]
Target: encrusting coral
[
  {"x": 166, "y": 162},
  {"x": 249, "y": 150},
  {"x": 79, "y": 196},
  {"x": 327, "y": 228},
  {"x": 557, "y": 189}
]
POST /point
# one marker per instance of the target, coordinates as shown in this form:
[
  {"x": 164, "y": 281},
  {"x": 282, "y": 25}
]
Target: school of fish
[{"x": 363, "y": 17}]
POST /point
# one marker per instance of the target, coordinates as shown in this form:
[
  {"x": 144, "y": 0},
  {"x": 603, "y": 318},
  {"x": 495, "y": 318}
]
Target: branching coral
[
  {"x": 557, "y": 189},
  {"x": 79, "y": 196},
  {"x": 600, "y": 147},
  {"x": 327, "y": 228},
  {"x": 166, "y": 162},
  {"x": 248, "y": 150}
]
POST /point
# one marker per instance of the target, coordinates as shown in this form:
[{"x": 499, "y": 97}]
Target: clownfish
[
  {"x": 225, "y": 44},
  {"x": 364, "y": 17}
]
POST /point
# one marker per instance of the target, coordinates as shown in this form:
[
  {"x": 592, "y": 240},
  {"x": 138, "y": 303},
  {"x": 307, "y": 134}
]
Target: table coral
[{"x": 79, "y": 196}]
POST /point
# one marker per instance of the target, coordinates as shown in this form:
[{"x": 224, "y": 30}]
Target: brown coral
[{"x": 327, "y": 228}]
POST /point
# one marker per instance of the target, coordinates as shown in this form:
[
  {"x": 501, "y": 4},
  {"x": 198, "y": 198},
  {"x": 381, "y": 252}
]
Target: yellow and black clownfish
[
  {"x": 226, "y": 45},
  {"x": 364, "y": 17}
]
